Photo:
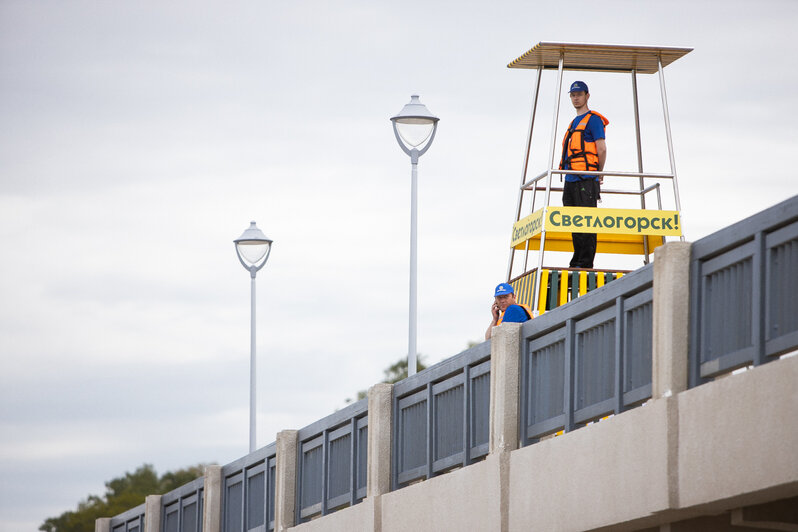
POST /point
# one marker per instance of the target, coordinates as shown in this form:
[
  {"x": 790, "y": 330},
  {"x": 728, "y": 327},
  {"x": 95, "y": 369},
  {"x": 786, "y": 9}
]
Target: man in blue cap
[
  {"x": 583, "y": 148},
  {"x": 505, "y": 309}
]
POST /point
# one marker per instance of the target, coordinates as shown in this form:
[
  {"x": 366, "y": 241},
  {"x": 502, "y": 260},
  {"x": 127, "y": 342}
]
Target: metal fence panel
[
  {"x": 545, "y": 384},
  {"x": 171, "y": 518},
  {"x": 255, "y": 509},
  {"x": 594, "y": 368},
  {"x": 181, "y": 508},
  {"x": 726, "y": 286},
  {"x": 248, "y": 492},
  {"x": 441, "y": 416},
  {"x": 332, "y": 462},
  {"x": 272, "y": 470},
  {"x": 311, "y": 458},
  {"x": 638, "y": 330},
  {"x": 781, "y": 315},
  {"x": 362, "y": 457},
  {"x": 129, "y": 521},
  {"x": 234, "y": 503},
  {"x": 588, "y": 358},
  {"x": 743, "y": 293},
  {"x": 448, "y": 411},
  {"x": 339, "y": 481},
  {"x": 191, "y": 513},
  {"x": 479, "y": 409},
  {"x": 412, "y": 436}
]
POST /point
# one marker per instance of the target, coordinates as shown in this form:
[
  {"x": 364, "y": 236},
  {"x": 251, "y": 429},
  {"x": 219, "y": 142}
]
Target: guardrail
[
  {"x": 579, "y": 362},
  {"x": 248, "y": 489},
  {"x": 130, "y": 521},
  {"x": 182, "y": 508},
  {"x": 587, "y": 359},
  {"x": 744, "y": 286},
  {"x": 441, "y": 417},
  {"x": 331, "y": 462}
]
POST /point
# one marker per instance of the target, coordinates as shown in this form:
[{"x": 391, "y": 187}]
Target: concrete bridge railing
[{"x": 402, "y": 458}]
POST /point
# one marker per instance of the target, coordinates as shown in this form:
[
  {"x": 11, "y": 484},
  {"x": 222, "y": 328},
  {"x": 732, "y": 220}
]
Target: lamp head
[
  {"x": 414, "y": 125},
  {"x": 253, "y": 248}
]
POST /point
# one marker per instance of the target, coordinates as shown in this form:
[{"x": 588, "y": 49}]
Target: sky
[{"x": 138, "y": 139}]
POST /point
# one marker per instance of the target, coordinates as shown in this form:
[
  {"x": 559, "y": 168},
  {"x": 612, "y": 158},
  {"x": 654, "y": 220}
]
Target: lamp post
[
  {"x": 253, "y": 249},
  {"x": 414, "y": 128}
]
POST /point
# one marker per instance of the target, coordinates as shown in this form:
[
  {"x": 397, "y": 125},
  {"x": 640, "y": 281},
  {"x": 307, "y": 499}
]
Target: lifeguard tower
[{"x": 619, "y": 231}]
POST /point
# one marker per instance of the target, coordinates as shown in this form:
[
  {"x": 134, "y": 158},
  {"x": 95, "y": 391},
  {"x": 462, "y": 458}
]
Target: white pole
[
  {"x": 411, "y": 343},
  {"x": 252, "y": 373},
  {"x": 523, "y": 176},
  {"x": 641, "y": 180},
  {"x": 542, "y": 248},
  {"x": 670, "y": 140}
]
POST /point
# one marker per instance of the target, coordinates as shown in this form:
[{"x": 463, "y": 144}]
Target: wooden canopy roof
[{"x": 599, "y": 57}]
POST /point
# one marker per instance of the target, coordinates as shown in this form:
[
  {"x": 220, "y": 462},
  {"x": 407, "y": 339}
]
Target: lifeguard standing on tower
[{"x": 583, "y": 148}]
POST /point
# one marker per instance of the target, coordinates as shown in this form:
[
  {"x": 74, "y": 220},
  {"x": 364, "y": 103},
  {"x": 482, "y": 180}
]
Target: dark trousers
[{"x": 582, "y": 194}]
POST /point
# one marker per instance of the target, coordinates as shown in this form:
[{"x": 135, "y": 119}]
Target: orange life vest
[
  {"x": 526, "y": 309},
  {"x": 579, "y": 154}
]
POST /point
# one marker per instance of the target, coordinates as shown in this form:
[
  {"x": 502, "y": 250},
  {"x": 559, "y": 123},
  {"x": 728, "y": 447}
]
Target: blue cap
[
  {"x": 578, "y": 86},
  {"x": 503, "y": 289}
]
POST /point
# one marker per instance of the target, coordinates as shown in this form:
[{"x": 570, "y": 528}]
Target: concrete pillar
[
  {"x": 379, "y": 439},
  {"x": 212, "y": 505},
  {"x": 103, "y": 524},
  {"x": 152, "y": 513},
  {"x": 285, "y": 481},
  {"x": 671, "y": 319},
  {"x": 505, "y": 348}
]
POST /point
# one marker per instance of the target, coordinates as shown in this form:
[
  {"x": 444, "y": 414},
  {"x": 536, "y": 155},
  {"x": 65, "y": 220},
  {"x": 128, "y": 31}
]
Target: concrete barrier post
[
  {"x": 505, "y": 348},
  {"x": 379, "y": 439},
  {"x": 212, "y": 506},
  {"x": 103, "y": 524},
  {"x": 671, "y": 315},
  {"x": 285, "y": 481},
  {"x": 152, "y": 513}
]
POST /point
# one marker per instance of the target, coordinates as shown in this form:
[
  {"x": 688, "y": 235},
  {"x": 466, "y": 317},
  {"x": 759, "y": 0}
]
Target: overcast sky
[{"x": 138, "y": 139}]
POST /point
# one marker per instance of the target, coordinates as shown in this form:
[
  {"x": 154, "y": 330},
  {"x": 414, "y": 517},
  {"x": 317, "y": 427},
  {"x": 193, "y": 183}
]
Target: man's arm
[{"x": 601, "y": 148}]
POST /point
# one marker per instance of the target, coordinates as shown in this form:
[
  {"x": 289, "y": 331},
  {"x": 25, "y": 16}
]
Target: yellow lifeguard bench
[
  {"x": 619, "y": 231},
  {"x": 559, "y": 285}
]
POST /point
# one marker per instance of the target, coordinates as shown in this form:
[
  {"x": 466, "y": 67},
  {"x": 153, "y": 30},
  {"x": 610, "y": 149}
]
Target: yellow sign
[
  {"x": 597, "y": 220},
  {"x": 528, "y": 227}
]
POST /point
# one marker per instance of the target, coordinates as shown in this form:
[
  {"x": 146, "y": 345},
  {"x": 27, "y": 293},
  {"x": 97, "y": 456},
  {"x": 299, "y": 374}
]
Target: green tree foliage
[
  {"x": 121, "y": 494},
  {"x": 398, "y": 370}
]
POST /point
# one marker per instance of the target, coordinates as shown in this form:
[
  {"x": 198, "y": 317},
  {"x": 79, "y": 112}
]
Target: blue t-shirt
[
  {"x": 515, "y": 314},
  {"x": 593, "y": 132}
]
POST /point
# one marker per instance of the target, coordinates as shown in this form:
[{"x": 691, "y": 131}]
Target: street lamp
[
  {"x": 414, "y": 128},
  {"x": 253, "y": 249}
]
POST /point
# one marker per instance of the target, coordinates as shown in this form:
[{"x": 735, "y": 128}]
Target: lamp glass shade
[
  {"x": 414, "y": 134},
  {"x": 253, "y": 251}
]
